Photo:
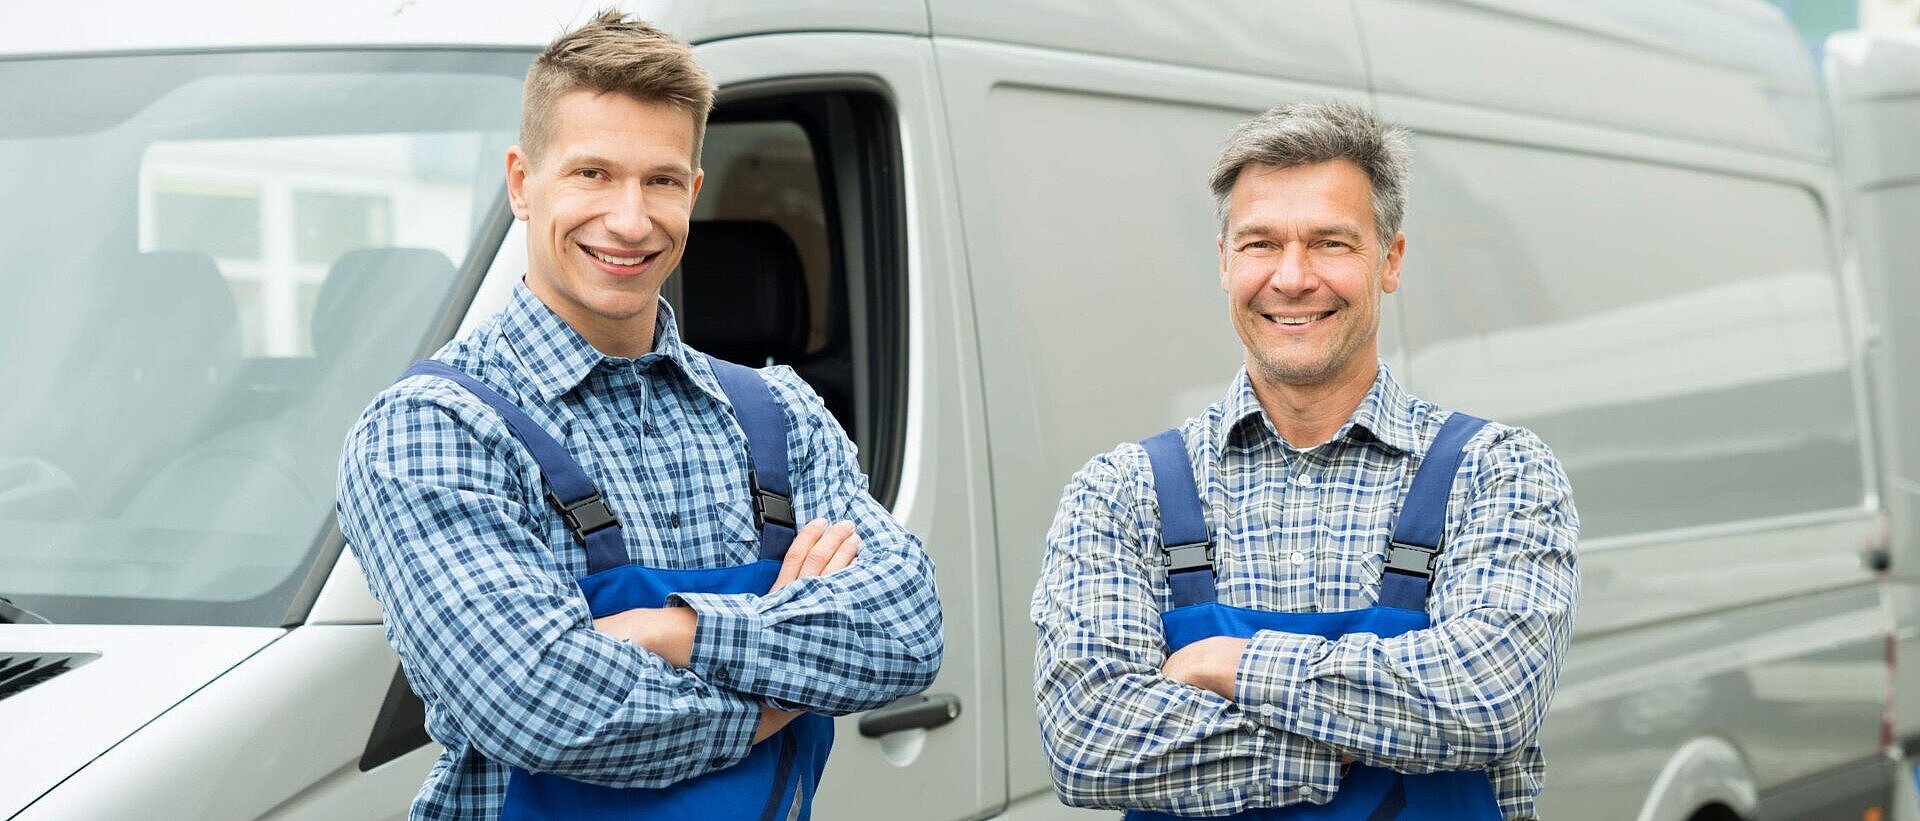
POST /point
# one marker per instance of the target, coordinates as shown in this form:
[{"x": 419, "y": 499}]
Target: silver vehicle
[{"x": 981, "y": 230}]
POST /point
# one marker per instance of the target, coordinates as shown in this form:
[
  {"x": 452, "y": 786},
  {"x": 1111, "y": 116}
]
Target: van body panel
[
  {"x": 344, "y": 598},
  {"x": 1703, "y": 772},
  {"x": 1794, "y": 686},
  {"x": 1309, "y": 40},
  {"x": 1097, "y": 325},
  {"x": 297, "y": 712},
  {"x": 1632, "y": 274},
  {"x": 134, "y": 674},
  {"x": 239, "y": 24},
  {"x": 1874, "y": 82},
  {"x": 1644, "y": 65}
]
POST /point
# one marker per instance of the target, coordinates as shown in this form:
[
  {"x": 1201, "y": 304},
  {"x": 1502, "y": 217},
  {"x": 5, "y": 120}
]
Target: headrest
[
  {"x": 170, "y": 314},
  {"x": 379, "y": 299},
  {"x": 744, "y": 292}
]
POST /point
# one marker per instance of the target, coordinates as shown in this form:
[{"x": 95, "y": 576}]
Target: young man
[
  {"x": 1224, "y": 626},
  {"x": 511, "y": 565}
]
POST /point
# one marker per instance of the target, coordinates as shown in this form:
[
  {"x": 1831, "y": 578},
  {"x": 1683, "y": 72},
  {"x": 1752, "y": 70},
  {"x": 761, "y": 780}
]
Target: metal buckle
[
  {"x": 768, "y": 506},
  {"x": 586, "y": 515},
  {"x": 1412, "y": 560},
  {"x": 1182, "y": 557}
]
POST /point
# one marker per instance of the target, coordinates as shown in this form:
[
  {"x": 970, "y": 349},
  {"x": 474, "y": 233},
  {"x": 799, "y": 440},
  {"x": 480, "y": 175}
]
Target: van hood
[{"x": 70, "y": 692}]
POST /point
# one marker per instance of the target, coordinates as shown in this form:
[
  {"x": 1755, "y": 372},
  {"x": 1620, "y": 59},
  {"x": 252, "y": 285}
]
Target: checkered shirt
[
  {"x": 1301, "y": 531},
  {"x": 447, "y": 513}
]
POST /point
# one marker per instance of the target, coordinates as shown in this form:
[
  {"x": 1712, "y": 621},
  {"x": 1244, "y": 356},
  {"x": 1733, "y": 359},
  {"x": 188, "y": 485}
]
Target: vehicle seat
[
  {"x": 745, "y": 293},
  {"x": 373, "y": 311},
  {"x": 166, "y": 352}
]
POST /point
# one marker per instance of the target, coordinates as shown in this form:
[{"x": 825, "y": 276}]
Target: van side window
[
  {"x": 796, "y": 256},
  {"x": 1677, "y": 335}
]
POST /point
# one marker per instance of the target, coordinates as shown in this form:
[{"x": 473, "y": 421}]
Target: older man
[
  {"x": 583, "y": 530},
  {"x": 1321, "y": 597}
]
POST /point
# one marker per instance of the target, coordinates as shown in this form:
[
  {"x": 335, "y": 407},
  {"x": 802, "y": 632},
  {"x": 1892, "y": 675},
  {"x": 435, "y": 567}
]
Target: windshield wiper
[{"x": 11, "y": 613}]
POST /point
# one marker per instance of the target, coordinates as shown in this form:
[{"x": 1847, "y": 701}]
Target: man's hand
[
  {"x": 666, "y": 632},
  {"x": 818, "y": 550},
  {"x": 1209, "y": 664}
]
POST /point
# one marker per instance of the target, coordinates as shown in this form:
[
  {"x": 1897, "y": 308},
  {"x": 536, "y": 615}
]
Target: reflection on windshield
[{"x": 211, "y": 266}]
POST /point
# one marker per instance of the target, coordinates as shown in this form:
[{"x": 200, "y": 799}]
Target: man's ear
[
  {"x": 1220, "y": 243},
  {"x": 518, "y": 165},
  {"x": 1390, "y": 272}
]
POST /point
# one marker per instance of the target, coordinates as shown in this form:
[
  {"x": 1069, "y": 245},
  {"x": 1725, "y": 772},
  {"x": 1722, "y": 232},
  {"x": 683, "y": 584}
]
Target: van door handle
[{"x": 925, "y": 712}]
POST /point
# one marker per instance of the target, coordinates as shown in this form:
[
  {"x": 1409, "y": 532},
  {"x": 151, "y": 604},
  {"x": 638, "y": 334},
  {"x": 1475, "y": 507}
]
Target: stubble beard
[{"x": 1323, "y": 367}]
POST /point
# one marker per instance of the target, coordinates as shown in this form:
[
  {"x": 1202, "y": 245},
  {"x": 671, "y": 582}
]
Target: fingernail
[
  {"x": 843, "y": 526},
  {"x": 818, "y": 523}
]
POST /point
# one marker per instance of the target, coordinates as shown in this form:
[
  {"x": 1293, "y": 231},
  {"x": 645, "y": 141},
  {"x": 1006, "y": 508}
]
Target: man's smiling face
[
  {"x": 1304, "y": 272},
  {"x": 607, "y": 204}
]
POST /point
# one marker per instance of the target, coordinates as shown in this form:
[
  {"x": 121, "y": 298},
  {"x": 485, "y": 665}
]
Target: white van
[{"x": 981, "y": 229}]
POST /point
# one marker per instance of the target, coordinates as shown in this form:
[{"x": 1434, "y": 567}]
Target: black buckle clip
[
  {"x": 587, "y": 515},
  {"x": 1183, "y": 557},
  {"x": 1412, "y": 560},
  {"x": 770, "y": 507}
]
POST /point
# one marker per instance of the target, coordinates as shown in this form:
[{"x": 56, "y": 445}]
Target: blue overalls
[
  {"x": 1366, "y": 793},
  {"x": 777, "y": 772}
]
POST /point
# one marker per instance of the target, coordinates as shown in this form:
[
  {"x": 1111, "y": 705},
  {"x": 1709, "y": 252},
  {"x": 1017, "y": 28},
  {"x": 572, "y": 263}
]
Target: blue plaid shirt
[
  {"x": 1298, "y": 531},
  {"x": 448, "y": 515}
]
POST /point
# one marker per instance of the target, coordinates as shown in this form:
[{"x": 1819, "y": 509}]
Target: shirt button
[
  {"x": 1266, "y": 710},
  {"x": 1306, "y": 791},
  {"x": 673, "y": 520},
  {"x": 650, "y": 429},
  {"x": 721, "y": 675},
  {"x": 1303, "y": 480},
  {"x": 1298, "y": 557}
]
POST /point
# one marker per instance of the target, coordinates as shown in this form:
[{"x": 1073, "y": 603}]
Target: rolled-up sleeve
[{"x": 494, "y": 635}]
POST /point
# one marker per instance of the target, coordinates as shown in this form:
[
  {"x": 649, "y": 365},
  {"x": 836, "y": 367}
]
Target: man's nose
[
  {"x": 626, "y": 216},
  {"x": 1292, "y": 270}
]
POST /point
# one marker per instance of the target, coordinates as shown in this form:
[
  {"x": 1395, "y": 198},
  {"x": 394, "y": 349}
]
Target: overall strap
[
  {"x": 765, "y": 423},
  {"x": 568, "y": 487},
  {"x": 1183, "y": 526},
  {"x": 1414, "y": 548}
]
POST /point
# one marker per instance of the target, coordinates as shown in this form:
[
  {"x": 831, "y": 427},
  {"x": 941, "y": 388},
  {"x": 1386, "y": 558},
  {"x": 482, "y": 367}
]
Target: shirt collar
[
  {"x": 556, "y": 358},
  {"x": 1385, "y": 415}
]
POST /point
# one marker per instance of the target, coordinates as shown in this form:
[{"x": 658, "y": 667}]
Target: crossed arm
[
  {"x": 1268, "y": 720},
  {"x": 819, "y": 549},
  {"x": 500, "y": 644}
]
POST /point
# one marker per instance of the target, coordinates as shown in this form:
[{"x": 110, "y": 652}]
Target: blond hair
[{"x": 619, "y": 54}]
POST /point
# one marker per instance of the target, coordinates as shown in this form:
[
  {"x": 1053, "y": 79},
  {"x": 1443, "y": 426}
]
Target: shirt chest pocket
[
  {"x": 680, "y": 506},
  {"x": 722, "y": 515}
]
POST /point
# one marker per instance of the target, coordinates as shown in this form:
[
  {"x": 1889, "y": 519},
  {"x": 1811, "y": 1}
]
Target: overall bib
[
  {"x": 777, "y": 779},
  {"x": 1366, "y": 793}
]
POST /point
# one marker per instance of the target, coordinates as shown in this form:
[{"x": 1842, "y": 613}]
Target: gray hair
[{"x": 1307, "y": 133}]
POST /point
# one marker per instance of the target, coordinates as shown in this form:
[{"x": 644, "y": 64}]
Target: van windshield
[{"x": 209, "y": 263}]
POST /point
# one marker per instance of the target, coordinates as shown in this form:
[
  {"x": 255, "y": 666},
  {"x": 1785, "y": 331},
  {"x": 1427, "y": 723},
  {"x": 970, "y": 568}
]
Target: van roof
[
  {"x": 1741, "y": 53},
  {"x": 111, "y": 26}
]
